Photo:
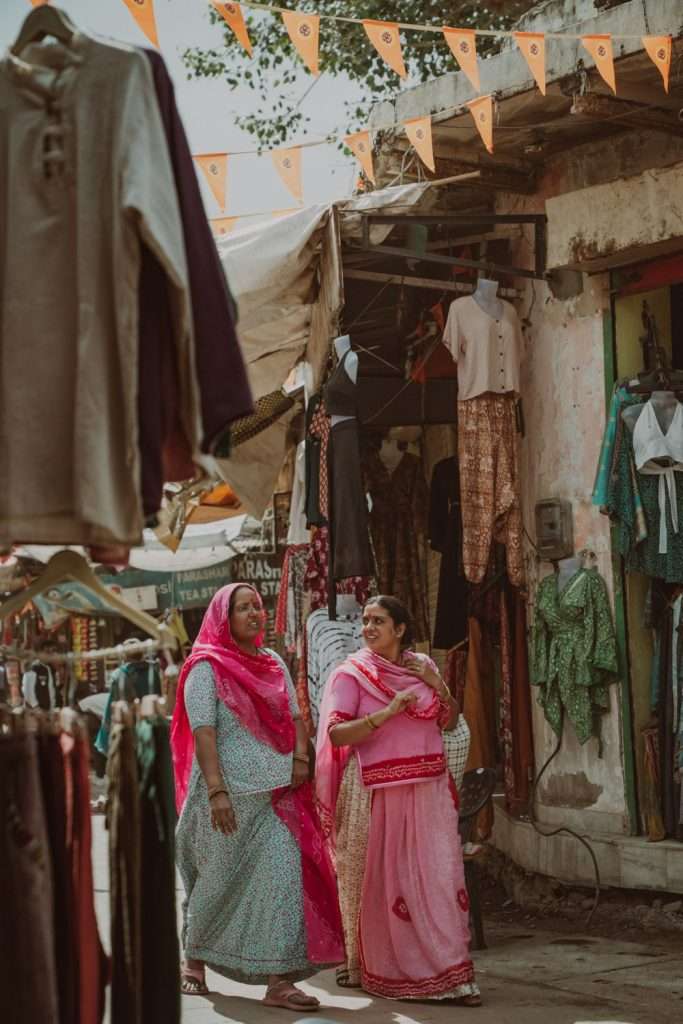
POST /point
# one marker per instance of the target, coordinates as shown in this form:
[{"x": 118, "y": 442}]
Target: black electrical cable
[{"x": 564, "y": 829}]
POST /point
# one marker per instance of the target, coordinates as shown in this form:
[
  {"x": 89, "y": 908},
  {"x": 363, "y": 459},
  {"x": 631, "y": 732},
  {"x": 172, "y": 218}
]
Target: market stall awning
[{"x": 286, "y": 277}]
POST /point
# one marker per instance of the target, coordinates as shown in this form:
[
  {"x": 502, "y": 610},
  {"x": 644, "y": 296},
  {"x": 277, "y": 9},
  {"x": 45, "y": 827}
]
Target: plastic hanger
[
  {"x": 44, "y": 21},
  {"x": 69, "y": 565}
]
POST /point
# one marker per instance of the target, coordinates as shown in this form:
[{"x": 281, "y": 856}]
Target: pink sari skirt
[{"x": 414, "y": 919}]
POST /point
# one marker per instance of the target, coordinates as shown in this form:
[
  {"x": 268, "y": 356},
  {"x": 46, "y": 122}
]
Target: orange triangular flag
[
  {"x": 532, "y": 45},
  {"x": 463, "y": 44},
  {"x": 482, "y": 111},
  {"x": 143, "y": 12},
  {"x": 288, "y": 165},
  {"x": 385, "y": 37},
  {"x": 360, "y": 145},
  {"x": 223, "y": 225},
  {"x": 215, "y": 168},
  {"x": 419, "y": 131},
  {"x": 232, "y": 13},
  {"x": 659, "y": 50},
  {"x": 600, "y": 49},
  {"x": 304, "y": 31}
]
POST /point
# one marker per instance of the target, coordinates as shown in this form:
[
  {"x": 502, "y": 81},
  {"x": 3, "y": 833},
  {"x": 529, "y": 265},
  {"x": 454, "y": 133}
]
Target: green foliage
[{"x": 344, "y": 50}]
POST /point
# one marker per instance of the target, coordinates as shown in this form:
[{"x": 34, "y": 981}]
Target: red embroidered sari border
[
  {"x": 404, "y": 769},
  {"x": 394, "y": 988},
  {"x": 428, "y": 713}
]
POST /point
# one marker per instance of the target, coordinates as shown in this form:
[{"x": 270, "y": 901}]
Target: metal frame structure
[{"x": 538, "y": 220}]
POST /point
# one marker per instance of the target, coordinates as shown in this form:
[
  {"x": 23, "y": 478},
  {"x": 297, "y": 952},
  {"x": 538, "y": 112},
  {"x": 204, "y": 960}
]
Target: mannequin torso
[
  {"x": 486, "y": 297},
  {"x": 567, "y": 568},
  {"x": 342, "y": 347},
  {"x": 664, "y": 404}
]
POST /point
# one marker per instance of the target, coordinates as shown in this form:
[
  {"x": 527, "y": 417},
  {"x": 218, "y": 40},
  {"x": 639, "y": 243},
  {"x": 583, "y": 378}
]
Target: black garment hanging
[{"x": 445, "y": 536}]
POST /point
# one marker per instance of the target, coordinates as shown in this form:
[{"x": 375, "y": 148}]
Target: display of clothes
[
  {"x": 317, "y": 439},
  {"x": 328, "y": 643},
  {"x": 488, "y": 352},
  {"x": 663, "y": 736},
  {"x": 445, "y": 537},
  {"x": 398, "y": 525},
  {"x": 349, "y": 547},
  {"x": 644, "y": 507},
  {"x": 141, "y": 820},
  {"x": 574, "y": 651},
  {"x": 115, "y": 332},
  {"x": 292, "y": 599},
  {"x": 38, "y": 686},
  {"x": 52, "y": 967},
  {"x": 298, "y": 532}
]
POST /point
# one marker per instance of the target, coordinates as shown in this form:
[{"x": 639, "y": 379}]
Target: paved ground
[{"x": 528, "y": 975}]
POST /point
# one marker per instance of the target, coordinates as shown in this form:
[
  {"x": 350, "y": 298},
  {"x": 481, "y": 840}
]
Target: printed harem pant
[{"x": 489, "y": 484}]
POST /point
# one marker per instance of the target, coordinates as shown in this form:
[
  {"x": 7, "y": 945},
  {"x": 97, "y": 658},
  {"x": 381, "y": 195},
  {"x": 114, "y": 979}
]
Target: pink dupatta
[
  {"x": 253, "y": 687},
  {"x": 407, "y": 749}
]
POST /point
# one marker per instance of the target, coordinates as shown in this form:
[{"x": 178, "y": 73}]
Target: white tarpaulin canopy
[{"x": 286, "y": 275}]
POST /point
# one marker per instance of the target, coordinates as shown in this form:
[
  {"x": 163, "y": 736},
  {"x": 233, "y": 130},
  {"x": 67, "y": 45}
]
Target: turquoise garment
[
  {"x": 574, "y": 651},
  {"x": 243, "y": 910},
  {"x": 621, "y": 398},
  {"x": 130, "y": 682}
]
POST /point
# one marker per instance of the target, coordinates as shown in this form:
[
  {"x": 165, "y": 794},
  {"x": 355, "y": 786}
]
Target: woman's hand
[
  {"x": 223, "y": 814},
  {"x": 421, "y": 668},
  {"x": 400, "y": 702},
  {"x": 300, "y": 773}
]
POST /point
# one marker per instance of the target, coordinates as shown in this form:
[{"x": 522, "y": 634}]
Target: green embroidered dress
[{"x": 574, "y": 651}]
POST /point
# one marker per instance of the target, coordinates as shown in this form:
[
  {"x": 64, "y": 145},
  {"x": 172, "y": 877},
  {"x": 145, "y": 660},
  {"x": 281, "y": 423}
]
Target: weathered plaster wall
[
  {"x": 564, "y": 409},
  {"x": 614, "y": 221}
]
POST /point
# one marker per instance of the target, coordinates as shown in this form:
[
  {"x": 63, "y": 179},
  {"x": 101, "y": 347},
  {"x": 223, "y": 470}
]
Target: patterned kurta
[
  {"x": 574, "y": 651},
  {"x": 243, "y": 911}
]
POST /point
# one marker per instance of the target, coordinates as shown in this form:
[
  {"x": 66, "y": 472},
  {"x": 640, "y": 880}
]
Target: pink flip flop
[{"x": 288, "y": 997}]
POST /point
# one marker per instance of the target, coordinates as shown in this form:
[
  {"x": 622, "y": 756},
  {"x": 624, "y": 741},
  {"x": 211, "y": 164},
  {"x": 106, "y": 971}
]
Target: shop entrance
[{"x": 657, "y": 288}]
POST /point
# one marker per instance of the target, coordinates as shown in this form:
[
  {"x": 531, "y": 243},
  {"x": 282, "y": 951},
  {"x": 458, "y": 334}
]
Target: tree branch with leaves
[{"x": 276, "y": 67}]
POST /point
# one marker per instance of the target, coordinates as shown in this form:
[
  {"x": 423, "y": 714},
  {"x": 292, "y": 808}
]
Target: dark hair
[{"x": 399, "y": 615}]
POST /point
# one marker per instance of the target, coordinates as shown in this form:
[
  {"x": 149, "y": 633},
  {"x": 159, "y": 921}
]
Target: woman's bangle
[
  {"x": 216, "y": 790},
  {"x": 301, "y": 757},
  {"x": 369, "y": 721}
]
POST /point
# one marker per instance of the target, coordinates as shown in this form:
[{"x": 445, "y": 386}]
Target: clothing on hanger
[
  {"x": 574, "y": 652},
  {"x": 488, "y": 351},
  {"x": 445, "y": 537},
  {"x": 650, "y": 443}
]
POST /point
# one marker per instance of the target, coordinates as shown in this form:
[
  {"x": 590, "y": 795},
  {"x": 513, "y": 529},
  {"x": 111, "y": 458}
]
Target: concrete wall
[{"x": 564, "y": 408}]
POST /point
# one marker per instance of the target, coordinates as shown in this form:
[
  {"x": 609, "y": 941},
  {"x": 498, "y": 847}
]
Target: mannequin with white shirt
[
  {"x": 664, "y": 405},
  {"x": 348, "y": 357},
  {"x": 486, "y": 297}
]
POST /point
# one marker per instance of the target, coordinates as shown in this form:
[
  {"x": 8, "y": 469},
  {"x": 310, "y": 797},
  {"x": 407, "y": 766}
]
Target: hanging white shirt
[{"x": 651, "y": 443}]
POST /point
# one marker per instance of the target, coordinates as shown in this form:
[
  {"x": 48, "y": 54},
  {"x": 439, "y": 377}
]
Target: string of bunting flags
[{"x": 304, "y": 31}]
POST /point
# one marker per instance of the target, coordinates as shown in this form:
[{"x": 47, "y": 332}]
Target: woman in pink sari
[
  {"x": 390, "y": 813},
  {"x": 261, "y": 903}
]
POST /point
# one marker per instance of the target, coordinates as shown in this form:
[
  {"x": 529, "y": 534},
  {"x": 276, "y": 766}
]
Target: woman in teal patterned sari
[{"x": 261, "y": 904}]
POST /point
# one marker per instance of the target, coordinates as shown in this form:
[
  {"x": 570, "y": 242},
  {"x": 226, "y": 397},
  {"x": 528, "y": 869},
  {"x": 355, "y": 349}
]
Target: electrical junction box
[{"x": 554, "y": 529}]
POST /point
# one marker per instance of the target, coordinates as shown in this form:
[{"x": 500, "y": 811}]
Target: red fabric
[
  {"x": 324, "y": 941},
  {"x": 253, "y": 687},
  {"x": 92, "y": 962}
]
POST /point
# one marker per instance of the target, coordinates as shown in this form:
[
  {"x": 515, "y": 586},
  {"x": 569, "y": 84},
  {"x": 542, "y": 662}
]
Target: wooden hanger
[
  {"x": 44, "y": 21},
  {"x": 69, "y": 565}
]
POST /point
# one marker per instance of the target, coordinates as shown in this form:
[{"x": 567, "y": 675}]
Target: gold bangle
[
  {"x": 216, "y": 791},
  {"x": 373, "y": 725},
  {"x": 301, "y": 757}
]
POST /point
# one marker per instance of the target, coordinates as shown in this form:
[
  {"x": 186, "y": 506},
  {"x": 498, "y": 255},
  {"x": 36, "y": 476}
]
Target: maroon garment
[{"x": 224, "y": 389}]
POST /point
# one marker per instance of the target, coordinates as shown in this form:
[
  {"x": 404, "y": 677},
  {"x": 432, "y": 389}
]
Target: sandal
[
  {"x": 343, "y": 979},
  {"x": 469, "y": 1001},
  {"x": 193, "y": 982},
  {"x": 288, "y": 997}
]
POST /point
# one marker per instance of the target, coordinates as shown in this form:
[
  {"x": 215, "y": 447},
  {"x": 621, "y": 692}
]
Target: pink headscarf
[
  {"x": 253, "y": 687},
  {"x": 380, "y": 680}
]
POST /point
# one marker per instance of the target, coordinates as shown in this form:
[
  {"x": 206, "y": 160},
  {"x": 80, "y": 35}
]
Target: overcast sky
[{"x": 209, "y": 107}]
